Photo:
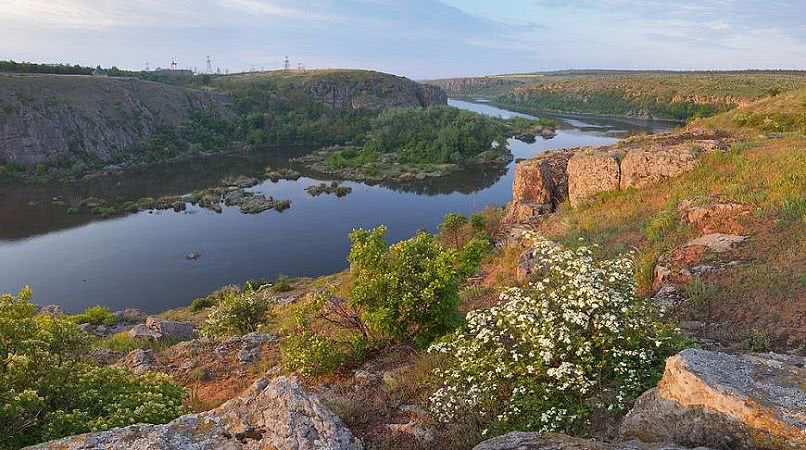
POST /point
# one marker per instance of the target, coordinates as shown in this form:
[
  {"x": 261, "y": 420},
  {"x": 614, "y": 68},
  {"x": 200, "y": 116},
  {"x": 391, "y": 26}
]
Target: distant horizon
[{"x": 420, "y": 39}]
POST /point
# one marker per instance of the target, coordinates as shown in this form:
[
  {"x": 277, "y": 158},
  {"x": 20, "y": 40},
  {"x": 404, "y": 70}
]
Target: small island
[{"x": 417, "y": 144}]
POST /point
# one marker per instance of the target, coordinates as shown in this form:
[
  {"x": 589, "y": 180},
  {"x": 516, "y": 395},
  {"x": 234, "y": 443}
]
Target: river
[{"x": 138, "y": 260}]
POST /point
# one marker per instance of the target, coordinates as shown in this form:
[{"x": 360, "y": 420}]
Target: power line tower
[
  {"x": 300, "y": 66},
  {"x": 286, "y": 63},
  {"x": 173, "y": 63},
  {"x": 209, "y": 65},
  {"x": 148, "y": 68}
]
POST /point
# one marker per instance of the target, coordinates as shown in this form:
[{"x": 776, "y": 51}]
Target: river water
[{"x": 138, "y": 260}]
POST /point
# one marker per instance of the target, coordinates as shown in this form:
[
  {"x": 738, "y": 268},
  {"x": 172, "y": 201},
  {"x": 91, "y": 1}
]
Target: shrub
[
  {"x": 237, "y": 313},
  {"x": 452, "y": 229},
  {"x": 574, "y": 342},
  {"x": 471, "y": 255},
  {"x": 310, "y": 354},
  {"x": 283, "y": 284},
  {"x": 199, "y": 304},
  {"x": 47, "y": 392},
  {"x": 408, "y": 291},
  {"x": 95, "y": 315}
]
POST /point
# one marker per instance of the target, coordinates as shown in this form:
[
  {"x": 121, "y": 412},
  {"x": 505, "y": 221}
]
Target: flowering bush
[
  {"x": 47, "y": 391},
  {"x": 310, "y": 354},
  {"x": 237, "y": 313},
  {"x": 574, "y": 342}
]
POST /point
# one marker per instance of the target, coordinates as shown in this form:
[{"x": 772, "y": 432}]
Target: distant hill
[{"x": 650, "y": 94}]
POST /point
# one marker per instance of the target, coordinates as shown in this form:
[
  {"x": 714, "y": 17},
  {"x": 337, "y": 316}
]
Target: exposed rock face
[
  {"x": 131, "y": 315},
  {"x": 540, "y": 185},
  {"x": 725, "y": 401},
  {"x": 642, "y": 168},
  {"x": 270, "y": 414},
  {"x": 369, "y": 91},
  {"x": 554, "y": 441},
  {"x": 591, "y": 174},
  {"x": 46, "y": 117},
  {"x": 717, "y": 242},
  {"x": 51, "y": 310}
]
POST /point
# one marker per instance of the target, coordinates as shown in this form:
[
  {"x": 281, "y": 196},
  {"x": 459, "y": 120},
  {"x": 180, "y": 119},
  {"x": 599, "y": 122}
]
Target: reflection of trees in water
[{"x": 467, "y": 181}]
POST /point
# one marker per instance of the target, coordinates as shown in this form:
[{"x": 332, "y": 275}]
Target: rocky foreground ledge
[
  {"x": 271, "y": 414},
  {"x": 705, "y": 400}
]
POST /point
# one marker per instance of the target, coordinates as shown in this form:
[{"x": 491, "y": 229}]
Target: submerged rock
[
  {"x": 725, "y": 401},
  {"x": 270, "y": 414}
]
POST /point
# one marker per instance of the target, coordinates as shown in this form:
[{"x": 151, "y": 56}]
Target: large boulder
[
  {"x": 589, "y": 174},
  {"x": 270, "y": 414},
  {"x": 641, "y": 168},
  {"x": 170, "y": 329},
  {"x": 540, "y": 184},
  {"x": 725, "y": 401},
  {"x": 131, "y": 315},
  {"x": 555, "y": 441}
]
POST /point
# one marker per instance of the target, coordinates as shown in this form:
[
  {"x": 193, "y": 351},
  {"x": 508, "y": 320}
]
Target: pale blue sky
[{"x": 416, "y": 38}]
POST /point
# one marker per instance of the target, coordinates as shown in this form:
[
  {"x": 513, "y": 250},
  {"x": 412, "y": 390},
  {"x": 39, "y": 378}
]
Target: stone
[
  {"x": 414, "y": 410},
  {"x": 170, "y": 329},
  {"x": 717, "y": 242},
  {"x": 131, "y": 315},
  {"x": 725, "y": 401},
  {"x": 142, "y": 332},
  {"x": 641, "y": 168},
  {"x": 87, "y": 328},
  {"x": 274, "y": 413},
  {"x": 103, "y": 356},
  {"x": 661, "y": 273},
  {"x": 667, "y": 296},
  {"x": 540, "y": 185},
  {"x": 365, "y": 377},
  {"x": 138, "y": 361},
  {"x": 192, "y": 256},
  {"x": 52, "y": 310},
  {"x": 423, "y": 434},
  {"x": 589, "y": 174},
  {"x": 517, "y": 440}
]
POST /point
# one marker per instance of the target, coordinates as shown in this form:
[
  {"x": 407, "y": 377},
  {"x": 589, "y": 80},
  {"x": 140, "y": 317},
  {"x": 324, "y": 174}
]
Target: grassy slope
[{"x": 764, "y": 294}]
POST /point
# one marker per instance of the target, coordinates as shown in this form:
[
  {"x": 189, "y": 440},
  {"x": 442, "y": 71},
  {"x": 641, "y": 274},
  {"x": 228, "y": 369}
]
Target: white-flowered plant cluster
[{"x": 575, "y": 341}]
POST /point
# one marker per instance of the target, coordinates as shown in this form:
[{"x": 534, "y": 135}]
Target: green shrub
[
  {"x": 408, "y": 291},
  {"x": 95, "y": 315},
  {"x": 47, "y": 392},
  {"x": 282, "y": 284},
  {"x": 576, "y": 343},
  {"x": 310, "y": 355},
  {"x": 237, "y": 313},
  {"x": 199, "y": 304},
  {"x": 471, "y": 255}
]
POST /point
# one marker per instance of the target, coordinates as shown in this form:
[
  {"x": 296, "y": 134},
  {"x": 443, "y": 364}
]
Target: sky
[{"x": 421, "y": 39}]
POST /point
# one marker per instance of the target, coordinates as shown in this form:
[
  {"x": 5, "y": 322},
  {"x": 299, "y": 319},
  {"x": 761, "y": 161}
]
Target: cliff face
[{"x": 46, "y": 117}]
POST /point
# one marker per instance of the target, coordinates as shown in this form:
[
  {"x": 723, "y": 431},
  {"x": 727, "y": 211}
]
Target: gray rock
[
  {"x": 170, "y": 329},
  {"x": 270, "y": 414},
  {"x": 138, "y": 361},
  {"x": 144, "y": 333},
  {"x": 423, "y": 434},
  {"x": 725, "y": 401},
  {"x": 554, "y": 441},
  {"x": 104, "y": 356},
  {"x": 717, "y": 242}
]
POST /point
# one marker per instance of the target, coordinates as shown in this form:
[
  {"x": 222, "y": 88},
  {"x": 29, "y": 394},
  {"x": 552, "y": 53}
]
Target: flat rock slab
[
  {"x": 717, "y": 242},
  {"x": 270, "y": 414},
  {"x": 554, "y": 441},
  {"x": 725, "y": 401}
]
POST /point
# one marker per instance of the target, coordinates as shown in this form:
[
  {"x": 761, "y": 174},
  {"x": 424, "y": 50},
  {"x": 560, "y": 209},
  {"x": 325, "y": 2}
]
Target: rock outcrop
[
  {"x": 271, "y": 414},
  {"x": 725, "y": 401},
  {"x": 47, "y": 117},
  {"x": 554, "y": 441},
  {"x": 138, "y": 361},
  {"x": 157, "y": 329},
  {"x": 589, "y": 174},
  {"x": 540, "y": 185},
  {"x": 640, "y": 168}
]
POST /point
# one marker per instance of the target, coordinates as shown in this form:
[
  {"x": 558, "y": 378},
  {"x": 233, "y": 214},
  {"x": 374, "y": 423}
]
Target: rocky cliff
[
  {"x": 49, "y": 118},
  {"x": 44, "y": 118}
]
